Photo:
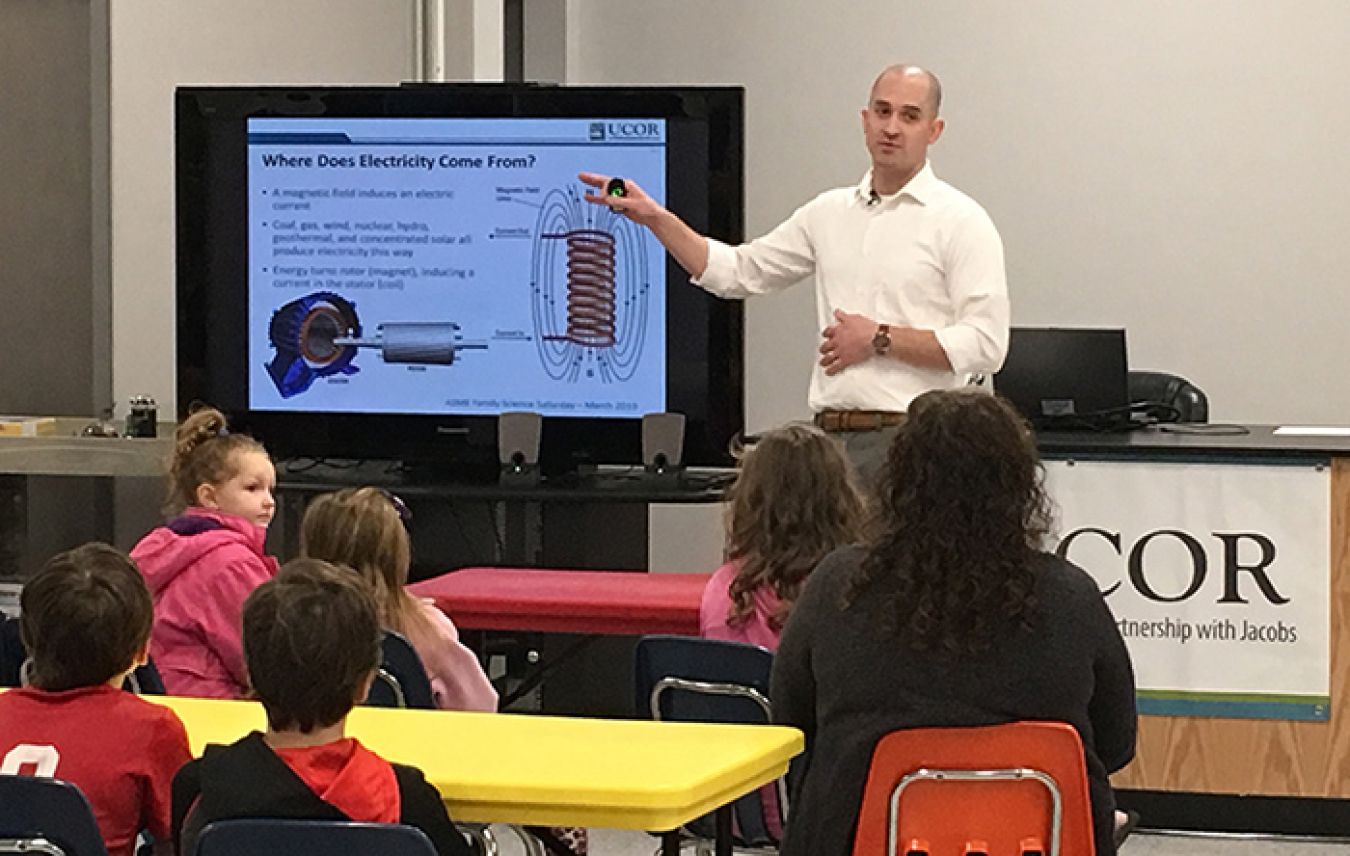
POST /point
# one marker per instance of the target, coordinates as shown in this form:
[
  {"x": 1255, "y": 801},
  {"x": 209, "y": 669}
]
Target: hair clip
[{"x": 404, "y": 512}]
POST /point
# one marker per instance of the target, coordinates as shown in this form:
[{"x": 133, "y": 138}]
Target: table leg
[
  {"x": 722, "y": 821},
  {"x": 543, "y": 670},
  {"x": 670, "y": 843}
]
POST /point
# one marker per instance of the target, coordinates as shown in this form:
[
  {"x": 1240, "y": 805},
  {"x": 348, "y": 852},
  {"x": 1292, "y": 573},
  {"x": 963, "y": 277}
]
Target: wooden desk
[
  {"x": 545, "y": 770},
  {"x": 593, "y": 602}
]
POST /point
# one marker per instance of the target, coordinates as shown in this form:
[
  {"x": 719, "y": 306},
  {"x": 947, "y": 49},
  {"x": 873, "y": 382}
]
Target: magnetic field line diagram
[{"x": 590, "y": 289}]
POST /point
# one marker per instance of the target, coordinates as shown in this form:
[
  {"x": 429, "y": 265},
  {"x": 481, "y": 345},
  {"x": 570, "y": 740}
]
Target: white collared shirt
[{"x": 927, "y": 256}]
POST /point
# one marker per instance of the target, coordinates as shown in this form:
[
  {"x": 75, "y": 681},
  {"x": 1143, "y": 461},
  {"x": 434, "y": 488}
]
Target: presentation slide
[{"x": 451, "y": 266}]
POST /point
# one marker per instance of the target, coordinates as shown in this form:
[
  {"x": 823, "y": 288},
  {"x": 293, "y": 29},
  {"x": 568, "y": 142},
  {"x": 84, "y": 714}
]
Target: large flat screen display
[{"x": 380, "y": 273}]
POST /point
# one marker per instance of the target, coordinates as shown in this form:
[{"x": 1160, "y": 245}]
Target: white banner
[{"x": 1218, "y": 575}]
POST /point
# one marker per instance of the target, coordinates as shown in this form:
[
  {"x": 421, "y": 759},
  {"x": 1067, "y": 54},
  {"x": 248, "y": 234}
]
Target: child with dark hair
[
  {"x": 203, "y": 563},
  {"x": 312, "y": 645},
  {"x": 954, "y": 615},
  {"x": 86, "y": 624},
  {"x": 793, "y": 502}
]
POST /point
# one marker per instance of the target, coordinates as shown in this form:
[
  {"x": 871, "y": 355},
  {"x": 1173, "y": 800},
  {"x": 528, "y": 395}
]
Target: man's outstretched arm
[{"x": 687, "y": 247}]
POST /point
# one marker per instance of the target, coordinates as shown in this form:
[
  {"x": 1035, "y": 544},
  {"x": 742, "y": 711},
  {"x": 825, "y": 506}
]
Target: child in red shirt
[
  {"x": 86, "y": 624},
  {"x": 311, "y": 645}
]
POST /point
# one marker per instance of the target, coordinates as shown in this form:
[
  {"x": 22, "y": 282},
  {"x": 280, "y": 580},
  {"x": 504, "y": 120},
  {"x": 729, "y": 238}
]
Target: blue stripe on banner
[{"x": 1312, "y": 710}]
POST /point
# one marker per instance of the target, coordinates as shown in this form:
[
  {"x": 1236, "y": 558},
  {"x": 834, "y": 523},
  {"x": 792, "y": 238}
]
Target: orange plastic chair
[{"x": 1002, "y": 790}]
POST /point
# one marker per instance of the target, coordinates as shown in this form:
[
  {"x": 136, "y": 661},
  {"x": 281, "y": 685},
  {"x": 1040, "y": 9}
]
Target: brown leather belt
[{"x": 841, "y": 421}]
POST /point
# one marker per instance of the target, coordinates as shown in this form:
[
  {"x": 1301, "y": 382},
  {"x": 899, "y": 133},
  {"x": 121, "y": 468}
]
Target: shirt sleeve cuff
[
  {"x": 962, "y": 350},
  {"x": 717, "y": 277}
]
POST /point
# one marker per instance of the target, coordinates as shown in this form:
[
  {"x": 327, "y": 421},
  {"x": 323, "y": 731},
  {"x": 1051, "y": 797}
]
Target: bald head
[{"x": 933, "y": 99}]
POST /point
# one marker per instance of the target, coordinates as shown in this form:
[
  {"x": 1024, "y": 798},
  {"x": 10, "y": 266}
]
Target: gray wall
[
  {"x": 1176, "y": 167},
  {"x": 160, "y": 44},
  {"x": 53, "y": 207}
]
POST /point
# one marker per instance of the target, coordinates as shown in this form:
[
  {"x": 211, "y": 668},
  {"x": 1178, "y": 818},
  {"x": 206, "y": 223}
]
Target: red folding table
[
  {"x": 559, "y": 601},
  {"x": 589, "y": 604}
]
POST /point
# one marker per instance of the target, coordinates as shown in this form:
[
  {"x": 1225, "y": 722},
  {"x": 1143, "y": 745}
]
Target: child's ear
[
  {"x": 205, "y": 496},
  {"x": 363, "y": 689}
]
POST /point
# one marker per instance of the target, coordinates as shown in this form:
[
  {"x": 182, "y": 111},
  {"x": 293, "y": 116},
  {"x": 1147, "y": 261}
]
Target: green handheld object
[{"x": 616, "y": 187}]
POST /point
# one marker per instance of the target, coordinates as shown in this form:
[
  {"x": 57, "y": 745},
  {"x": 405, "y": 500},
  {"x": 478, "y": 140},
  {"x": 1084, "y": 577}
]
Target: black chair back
[
  {"x": 145, "y": 680},
  {"x": 688, "y": 679},
  {"x": 311, "y": 838},
  {"x": 12, "y": 653},
  {"x": 1175, "y": 396},
  {"x": 36, "y": 808},
  {"x": 402, "y": 680}
]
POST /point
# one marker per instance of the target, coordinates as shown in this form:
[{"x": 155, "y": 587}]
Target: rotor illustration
[{"x": 319, "y": 335}]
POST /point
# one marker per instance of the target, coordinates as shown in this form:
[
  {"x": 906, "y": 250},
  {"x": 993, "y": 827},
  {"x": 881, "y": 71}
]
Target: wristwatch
[{"x": 881, "y": 342}]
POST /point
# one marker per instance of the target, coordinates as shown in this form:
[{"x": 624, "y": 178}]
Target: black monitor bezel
[{"x": 705, "y": 374}]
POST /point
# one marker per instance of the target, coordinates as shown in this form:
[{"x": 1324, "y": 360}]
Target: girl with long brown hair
[
  {"x": 794, "y": 501},
  {"x": 363, "y": 529}
]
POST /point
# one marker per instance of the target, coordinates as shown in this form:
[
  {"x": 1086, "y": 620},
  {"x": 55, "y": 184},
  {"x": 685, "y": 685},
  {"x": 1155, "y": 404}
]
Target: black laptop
[{"x": 1070, "y": 379}]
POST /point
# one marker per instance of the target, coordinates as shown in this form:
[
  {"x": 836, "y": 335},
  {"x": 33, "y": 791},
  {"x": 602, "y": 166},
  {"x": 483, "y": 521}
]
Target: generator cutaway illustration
[
  {"x": 320, "y": 335},
  {"x": 590, "y": 290}
]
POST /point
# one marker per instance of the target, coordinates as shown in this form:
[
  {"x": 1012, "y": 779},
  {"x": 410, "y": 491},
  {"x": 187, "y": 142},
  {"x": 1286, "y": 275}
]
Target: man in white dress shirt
[{"x": 910, "y": 285}]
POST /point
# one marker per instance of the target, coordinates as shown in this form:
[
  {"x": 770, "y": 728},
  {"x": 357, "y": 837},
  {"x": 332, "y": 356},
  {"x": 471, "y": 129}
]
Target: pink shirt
[
  {"x": 200, "y": 567},
  {"x": 716, "y": 607},
  {"x": 457, "y": 679}
]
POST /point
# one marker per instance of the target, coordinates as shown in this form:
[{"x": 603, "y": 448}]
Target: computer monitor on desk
[{"x": 1067, "y": 379}]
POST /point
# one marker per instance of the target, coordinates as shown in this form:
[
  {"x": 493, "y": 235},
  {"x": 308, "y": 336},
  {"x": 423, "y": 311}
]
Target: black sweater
[
  {"x": 846, "y": 684},
  {"x": 248, "y": 780}
]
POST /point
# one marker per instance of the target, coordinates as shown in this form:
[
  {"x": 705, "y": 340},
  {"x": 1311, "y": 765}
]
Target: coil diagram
[{"x": 590, "y": 290}]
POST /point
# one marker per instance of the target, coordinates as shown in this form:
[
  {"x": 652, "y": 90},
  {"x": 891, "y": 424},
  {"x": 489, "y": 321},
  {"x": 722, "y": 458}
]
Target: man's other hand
[{"x": 847, "y": 342}]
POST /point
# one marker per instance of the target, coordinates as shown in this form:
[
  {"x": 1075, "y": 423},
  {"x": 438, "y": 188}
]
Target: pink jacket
[
  {"x": 457, "y": 679},
  {"x": 200, "y": 566},
  {"x": 716, "y": 606}
]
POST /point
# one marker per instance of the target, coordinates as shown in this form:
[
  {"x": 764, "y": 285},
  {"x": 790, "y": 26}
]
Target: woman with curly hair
[
  {"x": 953, "y": 616},
  {"x": 793, "y": 502}
]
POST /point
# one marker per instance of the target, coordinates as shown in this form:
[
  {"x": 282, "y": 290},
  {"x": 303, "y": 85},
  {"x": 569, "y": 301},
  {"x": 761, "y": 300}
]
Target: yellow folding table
[{"x": 551, "y": 771}]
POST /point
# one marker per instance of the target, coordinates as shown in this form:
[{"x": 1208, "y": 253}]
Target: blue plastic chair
[
  {"x": 47, "y": 816},
  {"x": 402, "y": 679},
  {"x": 311, "y": 838},
  {"x": 145, "y": 680},
  {"x": 689, "y": 679}
]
